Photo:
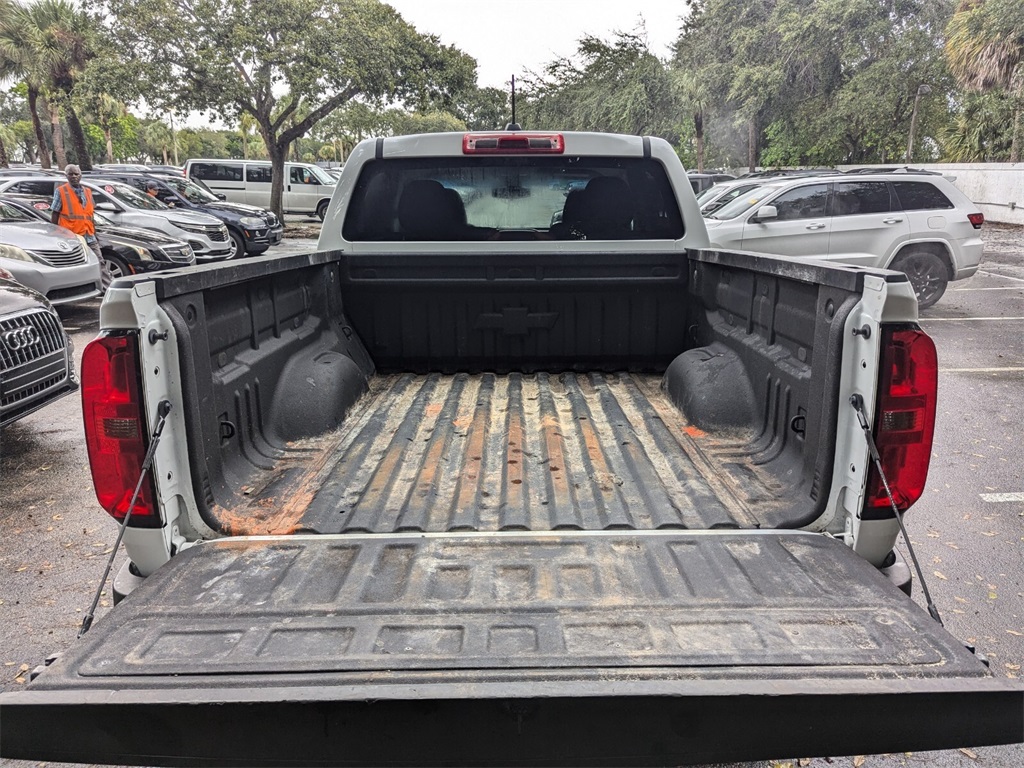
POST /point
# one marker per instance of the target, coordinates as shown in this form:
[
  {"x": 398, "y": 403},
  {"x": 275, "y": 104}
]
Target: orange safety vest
[{"x": 73, "y": 215}]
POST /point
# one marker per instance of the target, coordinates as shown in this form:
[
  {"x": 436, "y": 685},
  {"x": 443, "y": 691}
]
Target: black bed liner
[
  {"x": 561, "y": 648},
  {"x": 486, "y": 452}
]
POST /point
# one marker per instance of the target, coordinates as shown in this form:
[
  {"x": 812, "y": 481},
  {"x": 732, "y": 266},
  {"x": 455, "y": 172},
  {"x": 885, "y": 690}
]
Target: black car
[
  {"x": 253, "y": 230},
  {"x": 37, "y": 363},
  {"x": 126, "y": 250}
]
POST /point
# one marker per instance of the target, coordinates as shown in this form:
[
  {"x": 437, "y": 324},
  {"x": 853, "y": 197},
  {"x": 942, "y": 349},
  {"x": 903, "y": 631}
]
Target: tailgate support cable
[
  {"x": 162, "y": 410},
  {"x": 858, "y": 405}
]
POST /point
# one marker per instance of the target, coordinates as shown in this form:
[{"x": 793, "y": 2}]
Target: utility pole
[{"x": 921, "y": 90}]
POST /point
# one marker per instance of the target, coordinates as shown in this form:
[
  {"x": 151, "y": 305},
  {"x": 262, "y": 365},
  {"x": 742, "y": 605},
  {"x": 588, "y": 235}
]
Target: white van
[{"x": 307, "y": 187}]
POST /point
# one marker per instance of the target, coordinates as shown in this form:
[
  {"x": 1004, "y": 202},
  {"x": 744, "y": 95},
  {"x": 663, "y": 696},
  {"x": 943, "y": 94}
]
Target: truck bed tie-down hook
[
  {"x": 162, "y": 409},
  {"x": 858, "y": 405}
]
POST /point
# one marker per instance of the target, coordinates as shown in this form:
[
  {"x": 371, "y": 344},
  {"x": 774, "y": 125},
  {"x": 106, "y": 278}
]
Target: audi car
[{"x": 36, "y": 355}]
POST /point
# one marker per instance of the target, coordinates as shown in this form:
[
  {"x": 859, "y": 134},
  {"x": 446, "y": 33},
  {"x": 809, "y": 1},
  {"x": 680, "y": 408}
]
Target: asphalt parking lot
[{"x": 968, "y": 529}]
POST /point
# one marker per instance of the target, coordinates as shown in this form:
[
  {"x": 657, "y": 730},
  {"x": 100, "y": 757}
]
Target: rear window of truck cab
[{"x": 512, "y": 198}]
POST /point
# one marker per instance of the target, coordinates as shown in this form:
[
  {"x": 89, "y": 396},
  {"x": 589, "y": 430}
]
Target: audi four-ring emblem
[{"x": 20, "y": 338}]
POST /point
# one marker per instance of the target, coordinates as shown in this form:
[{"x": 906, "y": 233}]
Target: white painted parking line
[
  {"x": 979, "y": 370},
  {"x": 1004, "y": 288},
  {"x": 996, "y": 274},
  {"x": 999, "y": 497},
  {"x": 971, "y": 319}
]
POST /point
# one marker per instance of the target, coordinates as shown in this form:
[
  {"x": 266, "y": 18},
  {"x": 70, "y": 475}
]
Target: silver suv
[{"x": 913, "y": 222}]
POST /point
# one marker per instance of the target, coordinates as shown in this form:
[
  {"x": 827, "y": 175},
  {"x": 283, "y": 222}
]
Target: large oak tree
[{"x": 287, "y": 63}]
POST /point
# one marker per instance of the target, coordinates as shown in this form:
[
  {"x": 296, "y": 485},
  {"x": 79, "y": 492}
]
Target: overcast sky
[{"x": 511, "y": 37}]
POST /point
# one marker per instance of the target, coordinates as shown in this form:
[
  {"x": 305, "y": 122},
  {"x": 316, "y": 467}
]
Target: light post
[{"x": 921, "y": 90}]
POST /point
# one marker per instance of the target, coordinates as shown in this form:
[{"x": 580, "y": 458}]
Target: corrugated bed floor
[{"x": 490, "y": 452}]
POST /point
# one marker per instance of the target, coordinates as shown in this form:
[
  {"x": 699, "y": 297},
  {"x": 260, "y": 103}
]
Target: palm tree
[
  {"x": 4, "y": 161},
  {"x": 17, "y": 62},
  {"x": 985, "y": 51},
  {"x": 56, "y": 131},
  {"x": 696, "y": 95},
  {"x": 58, "y": 39},
  {"x": 246, "y": 123},
  {"x": 156, "y": 135}
]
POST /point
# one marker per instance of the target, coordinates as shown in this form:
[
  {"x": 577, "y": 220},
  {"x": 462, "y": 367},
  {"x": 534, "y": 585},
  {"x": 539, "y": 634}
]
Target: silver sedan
[{"x": 47, "y": 258}]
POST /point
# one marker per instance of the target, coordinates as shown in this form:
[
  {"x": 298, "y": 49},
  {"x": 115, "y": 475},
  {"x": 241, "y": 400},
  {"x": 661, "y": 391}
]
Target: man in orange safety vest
[{"x": 72, "y": 208}]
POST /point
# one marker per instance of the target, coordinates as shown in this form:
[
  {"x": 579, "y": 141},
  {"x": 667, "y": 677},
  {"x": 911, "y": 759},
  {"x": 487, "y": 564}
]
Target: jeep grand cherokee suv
[{"x": 916, "y": 223}]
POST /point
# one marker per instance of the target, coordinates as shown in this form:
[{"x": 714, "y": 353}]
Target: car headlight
[
  {"x": 143, "y": 253},
  {"x": 85, "y": 244},
  {"x": 15, "y": 253},
  {"x": 251, "y": 222}
]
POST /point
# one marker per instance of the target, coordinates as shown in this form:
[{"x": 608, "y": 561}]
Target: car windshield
[
  {"x": 743, "y": 203},
  {"x": 191, "y": 192},
  {"x": 9, "y": 213},
  {"x": 131, "y": 196},
  {"x": 727, "y": 196},
  {"x": 709, "y": 192},
  {"x": 322, "y": 176}
]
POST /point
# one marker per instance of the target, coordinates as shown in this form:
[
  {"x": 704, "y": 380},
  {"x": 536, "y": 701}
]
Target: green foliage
[
  {"x": 820, "y": 81},
  {"x": 617, "y": 86},
  {"x": 403, "y": 123},
  {"x": 287, "y": 63},
  {"x": 124, "y": 132},
  {"x": 50, "y": 43},
  {"x": 95, "y": 142},
  {"x": 986, "y": 53},
  {"x": 978, "y": 132},
  {"x": 986, "y": 43},
  {"x": 484, "y": 109}
]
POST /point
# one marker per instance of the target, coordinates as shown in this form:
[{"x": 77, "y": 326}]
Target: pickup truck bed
[
  {"x": 381, "y": 393},
  {"x": 512, "y": 452}
]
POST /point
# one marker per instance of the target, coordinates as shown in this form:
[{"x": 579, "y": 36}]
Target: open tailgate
[{"x": 565, "y": 648}]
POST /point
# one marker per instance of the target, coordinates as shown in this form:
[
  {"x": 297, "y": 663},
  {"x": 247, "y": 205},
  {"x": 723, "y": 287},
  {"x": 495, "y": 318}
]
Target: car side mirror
[
  {"x": 766, "y": 212},
  {"x": 221, "y": 196},
  {"x": 106, "y": 207}
]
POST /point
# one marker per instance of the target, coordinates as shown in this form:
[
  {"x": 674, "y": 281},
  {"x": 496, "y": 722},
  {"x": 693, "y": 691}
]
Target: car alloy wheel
[
  {"x": 927, "y": 273},
  {"x": 237, "y": 245}
]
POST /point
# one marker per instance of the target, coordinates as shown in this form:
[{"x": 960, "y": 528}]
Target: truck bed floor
[{"x": 487, "y": 452}]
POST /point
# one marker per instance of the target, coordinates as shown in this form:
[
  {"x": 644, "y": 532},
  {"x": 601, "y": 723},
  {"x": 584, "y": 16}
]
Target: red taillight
[
  {"x": 513, "y": 144},
  {"x": 115, "y": 428},
  {"x": 976, "y": 219},
  {"x": 905, "y": 418}
]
